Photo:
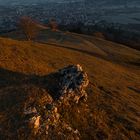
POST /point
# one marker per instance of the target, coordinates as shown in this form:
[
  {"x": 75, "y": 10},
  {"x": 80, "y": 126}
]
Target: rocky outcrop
[
  {"x": 41, "y": 118},
  {"x": 73, "y": 81}
]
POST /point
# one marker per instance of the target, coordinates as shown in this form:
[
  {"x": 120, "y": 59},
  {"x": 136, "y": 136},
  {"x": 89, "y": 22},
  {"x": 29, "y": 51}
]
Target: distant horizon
[{"x": 66, "y": 1}]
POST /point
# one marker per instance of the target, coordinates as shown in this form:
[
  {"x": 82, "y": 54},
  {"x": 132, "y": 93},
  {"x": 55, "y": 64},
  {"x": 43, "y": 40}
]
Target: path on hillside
[{"x": 92, "y": 46}]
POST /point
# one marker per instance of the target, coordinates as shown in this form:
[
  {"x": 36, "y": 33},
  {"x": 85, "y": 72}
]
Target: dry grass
[{"x": 113, "y": 107}]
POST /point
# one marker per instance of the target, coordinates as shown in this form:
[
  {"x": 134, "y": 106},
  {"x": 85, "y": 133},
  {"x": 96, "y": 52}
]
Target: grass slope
[{"x": 113, "y": 109}]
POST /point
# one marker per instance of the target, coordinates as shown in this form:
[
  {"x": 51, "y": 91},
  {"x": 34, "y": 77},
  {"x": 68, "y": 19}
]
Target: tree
[
  {"x": 53, "y": 25},
  {"x": 30, "y": 27}
]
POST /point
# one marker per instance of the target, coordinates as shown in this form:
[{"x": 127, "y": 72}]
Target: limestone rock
[
  {"x": 73, "y": 82},
  {"x": 34, "y": 123},
  {"x": 30, "y": 110},
  {"x": 45, "y": 114}
]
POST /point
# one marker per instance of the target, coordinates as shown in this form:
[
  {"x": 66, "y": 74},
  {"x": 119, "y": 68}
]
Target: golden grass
[{"x": 113, "y": 106}]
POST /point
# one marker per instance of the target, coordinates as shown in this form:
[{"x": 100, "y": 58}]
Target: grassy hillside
[{"x": 113, "y": 107}]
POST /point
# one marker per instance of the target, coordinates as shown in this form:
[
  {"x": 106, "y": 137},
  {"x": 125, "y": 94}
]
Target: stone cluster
[{"x": 73, "y": 81}]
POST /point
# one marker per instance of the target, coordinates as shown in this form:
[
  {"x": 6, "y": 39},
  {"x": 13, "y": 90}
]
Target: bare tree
[
  {"x": 53, "y": 24},
  {"x": 30, "y": 27}
]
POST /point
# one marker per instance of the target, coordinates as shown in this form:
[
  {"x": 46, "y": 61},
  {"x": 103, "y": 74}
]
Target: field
[{"x": 112, "y": 110}]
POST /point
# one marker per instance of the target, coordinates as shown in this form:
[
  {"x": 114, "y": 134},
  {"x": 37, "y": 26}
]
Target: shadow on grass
[
  {"x": 44, "y": 36},
  {"x": 13, "y": 85}
]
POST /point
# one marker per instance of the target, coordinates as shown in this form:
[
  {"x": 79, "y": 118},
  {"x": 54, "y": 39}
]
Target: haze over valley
[{"x": 79, "y": 16}]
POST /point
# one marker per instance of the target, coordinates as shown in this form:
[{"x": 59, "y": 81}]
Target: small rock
[
  {"x": 30, "y": 110},
  {"x": 34, "y": 124},
  {"x": 69, "y": 128},
  {"x": 76, "y": 132},
  {"x": 37, "y": 122},
  {"x": 47, "y": 132},
  {"x": 78, "y": 111},
  {"x": 47, "y": 127},
  {"x": 55, "y": 110},
  {"x": 57, "y": 116}
]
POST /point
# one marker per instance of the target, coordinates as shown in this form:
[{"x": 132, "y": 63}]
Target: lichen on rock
[{"x": 73, "y": 81}]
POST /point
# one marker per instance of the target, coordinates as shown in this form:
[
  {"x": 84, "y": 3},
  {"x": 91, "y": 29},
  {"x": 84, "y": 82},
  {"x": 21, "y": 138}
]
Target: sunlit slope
[{"x": 113, "y": 95}]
